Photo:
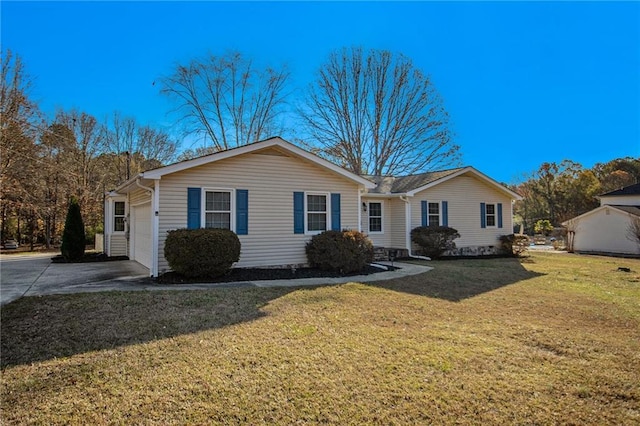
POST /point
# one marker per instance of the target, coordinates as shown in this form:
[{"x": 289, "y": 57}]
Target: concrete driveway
[{"x": 34, "y": 274}]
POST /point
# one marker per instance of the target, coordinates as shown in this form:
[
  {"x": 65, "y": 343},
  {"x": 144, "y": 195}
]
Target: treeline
[
  {"x": 370, "y": 111},
  {"x": 558, "y": 192},
  {"x": 45, "y": 161}
]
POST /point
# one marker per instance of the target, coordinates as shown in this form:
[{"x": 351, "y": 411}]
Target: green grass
[{"x": 552, "y": 339}]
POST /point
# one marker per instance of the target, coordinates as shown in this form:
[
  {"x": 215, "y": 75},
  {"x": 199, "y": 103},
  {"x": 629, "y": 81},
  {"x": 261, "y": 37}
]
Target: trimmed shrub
[
  {"x": 514, "y": 244},
  {"x": 340, "y": 251},
  {"x": 202, "y": 252},
  {"x": 73, "y": 239},
  {"x": 434, "y": 240}
]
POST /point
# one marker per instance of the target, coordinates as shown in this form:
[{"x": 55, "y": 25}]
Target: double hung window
[
  {"x": 375, "y": 217},
  {"x": 316, "y": 212},
  {"x": 217, "y": 209},
  {"x": 118, "y": 216}
]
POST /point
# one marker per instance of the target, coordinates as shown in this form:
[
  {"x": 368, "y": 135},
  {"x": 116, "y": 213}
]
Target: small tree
[
  {"x": 434, "y": 240},
  {"x": 73, "y": 238},
  {"x": 543, "y": 226}
]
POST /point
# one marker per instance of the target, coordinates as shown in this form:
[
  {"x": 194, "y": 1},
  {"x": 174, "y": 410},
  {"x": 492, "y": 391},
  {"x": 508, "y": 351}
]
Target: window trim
[
  {"x": 204, "y": 211},
  {"x": 381, "y": 231},
  {"x": 327, "y": 196},
  {"x": 113, "y": 217},
  {"x": 495, "y": 214}
]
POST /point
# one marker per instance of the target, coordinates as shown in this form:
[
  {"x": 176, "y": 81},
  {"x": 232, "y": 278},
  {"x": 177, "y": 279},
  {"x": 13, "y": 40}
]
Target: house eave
[
  {"x": 129, "y": 185},
  {"x": 384, "y": 194}
]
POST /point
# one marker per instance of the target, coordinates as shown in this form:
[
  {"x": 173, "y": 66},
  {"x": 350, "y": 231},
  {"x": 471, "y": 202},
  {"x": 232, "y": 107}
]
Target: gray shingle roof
[
  {"x": 634, "y": 210},
  {"x": 627, "y": 190},
  {"x": 402, "y": 184}
]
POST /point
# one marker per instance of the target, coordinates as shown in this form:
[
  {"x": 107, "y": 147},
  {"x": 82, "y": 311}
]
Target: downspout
[
  {"x": 360, "y": 192},
  {"x": 154, "y": 245},
  {"x": 407, "y": 221}
]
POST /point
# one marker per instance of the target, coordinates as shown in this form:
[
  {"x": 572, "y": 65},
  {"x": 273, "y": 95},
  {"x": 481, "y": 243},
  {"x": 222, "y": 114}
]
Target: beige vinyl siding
[
  {"x": 378, "y": 239},
  {"x": 398, "y": 234},
  {"x": 271, "y": 181},
  {"x": 464, "y": 195}
]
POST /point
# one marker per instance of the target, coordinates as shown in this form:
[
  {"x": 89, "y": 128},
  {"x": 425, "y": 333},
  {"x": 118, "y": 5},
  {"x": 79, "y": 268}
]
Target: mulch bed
[
  {"x": 258, "y": 274},
  {"x": 89, "y": 257}
]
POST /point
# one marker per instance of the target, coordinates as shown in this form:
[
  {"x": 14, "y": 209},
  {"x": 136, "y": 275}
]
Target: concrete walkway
[{"x": 35, "y": 275}]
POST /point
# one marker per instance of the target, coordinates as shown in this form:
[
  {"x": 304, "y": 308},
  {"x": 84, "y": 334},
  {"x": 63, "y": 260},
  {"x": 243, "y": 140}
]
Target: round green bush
[
  {"x": 201, "y": 252},
  {"x": 340, "y": 251}
]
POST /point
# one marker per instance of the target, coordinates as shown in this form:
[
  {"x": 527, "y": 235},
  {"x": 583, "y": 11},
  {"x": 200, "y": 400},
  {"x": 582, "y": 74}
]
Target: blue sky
[{"x": 524, "y": 83}]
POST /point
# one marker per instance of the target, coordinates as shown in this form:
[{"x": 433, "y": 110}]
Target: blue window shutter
[
  {"x": 194, "y": 199},
  {"x": 445, "y": 213},
  {"x": 483, "y": 215},
  {"x": 242, "y": 211},
  {"x": 425, "y": 212},
  {"x": 499, "y": 215},
  {"x": 335, "y": 212},
  {"x": 298, "y": 212}
]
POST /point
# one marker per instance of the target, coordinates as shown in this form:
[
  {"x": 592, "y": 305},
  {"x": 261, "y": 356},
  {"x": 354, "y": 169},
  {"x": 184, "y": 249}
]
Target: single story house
[
  {"x": 605, "y": 229},
  {"x": 275, "y": 196}
]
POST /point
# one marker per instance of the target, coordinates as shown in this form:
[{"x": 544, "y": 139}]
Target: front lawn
[{"x": 553, "y": 339}]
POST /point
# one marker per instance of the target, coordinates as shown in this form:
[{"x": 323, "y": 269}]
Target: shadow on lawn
[
  {"x": 456, "y": 280},
  {"x": 36, "y": 329}
]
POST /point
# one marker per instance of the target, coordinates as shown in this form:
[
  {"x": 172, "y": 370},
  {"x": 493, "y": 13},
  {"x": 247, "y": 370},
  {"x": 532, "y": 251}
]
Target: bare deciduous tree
[
  {"x": 18, "y": 153},
  {"x": 227, "y": 99},
  {"x": 137, "y": 148},
  {"x": 633, "y": 231},
  {"x": 375, "y": 113}
]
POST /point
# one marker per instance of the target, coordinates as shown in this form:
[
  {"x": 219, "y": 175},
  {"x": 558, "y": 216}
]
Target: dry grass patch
[{"x": 554, "y": 339}]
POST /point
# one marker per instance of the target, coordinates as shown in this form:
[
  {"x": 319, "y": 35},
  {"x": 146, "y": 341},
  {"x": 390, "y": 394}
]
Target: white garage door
[{"x": 141, "y": 233}]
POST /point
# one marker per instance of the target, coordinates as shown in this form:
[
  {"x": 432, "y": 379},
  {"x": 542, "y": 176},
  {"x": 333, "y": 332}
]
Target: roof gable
[
  {"x": 412, "y": 184},
  {"x": 631, "y": 210},
  {"x": 271, "y": 146}
]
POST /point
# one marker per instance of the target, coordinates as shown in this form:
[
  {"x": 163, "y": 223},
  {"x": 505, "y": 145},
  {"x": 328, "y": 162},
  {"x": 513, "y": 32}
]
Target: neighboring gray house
[
  {"x": 605, "y": 229},
  {"x": 275, "y": 195}
]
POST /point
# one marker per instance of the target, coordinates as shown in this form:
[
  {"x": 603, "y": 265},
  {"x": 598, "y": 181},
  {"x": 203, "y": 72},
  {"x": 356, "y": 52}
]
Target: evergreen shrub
[
  {"x": 73, "y": 238},
  {"x": 202, "y": 252},
  {"x": 340, "y": 251},
  {"x": 434, "y": 240}
]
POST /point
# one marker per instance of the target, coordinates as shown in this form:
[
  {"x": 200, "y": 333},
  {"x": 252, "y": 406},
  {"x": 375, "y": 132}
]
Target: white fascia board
[
  {"x": 246, "y": 149},
  {"x": 477, "y": 173}
]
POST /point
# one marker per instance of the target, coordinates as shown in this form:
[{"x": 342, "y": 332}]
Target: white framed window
[
  {"x": 119, "y": 215},
  {"x": 218, "y": 208},
  {"x": 490, "y": 215},
  {"x": 317, "y": 208},
  {"x": 375, "y": 218},
  {"x": 433, "y": 212}
]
